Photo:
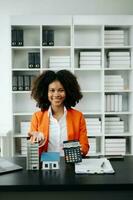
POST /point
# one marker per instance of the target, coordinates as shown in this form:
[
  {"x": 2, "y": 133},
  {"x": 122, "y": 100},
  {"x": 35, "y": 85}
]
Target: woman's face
[{"x": 56, "y": 94}]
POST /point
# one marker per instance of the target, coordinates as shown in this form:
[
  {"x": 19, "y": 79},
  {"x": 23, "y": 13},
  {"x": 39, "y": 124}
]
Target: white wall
[
  {"x": 66, "y": 7},
  {"x": 24, "y": 7},
  {"x": 5, "y": 75}
]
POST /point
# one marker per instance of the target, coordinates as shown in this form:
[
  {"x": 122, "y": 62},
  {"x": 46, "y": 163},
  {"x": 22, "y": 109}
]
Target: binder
[
  {"x": 20, "y": 37},
  {"x": 32, "y": 77},
  {"x": 26, "y": 82},
  {"x": 20, "y": 83},
  {"x": 14, "y": 38},
  {"x": 37, "y": 60},
  {"x": 31, "y": 60},
  {"x": 50, "y": 38},
  {"x": 44, "y": 37},
  {"x": 15, "y": 83}
]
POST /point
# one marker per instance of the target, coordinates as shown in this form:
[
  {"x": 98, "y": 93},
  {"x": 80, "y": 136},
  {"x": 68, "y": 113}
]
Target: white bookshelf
[{"x": 72, "y": 35}]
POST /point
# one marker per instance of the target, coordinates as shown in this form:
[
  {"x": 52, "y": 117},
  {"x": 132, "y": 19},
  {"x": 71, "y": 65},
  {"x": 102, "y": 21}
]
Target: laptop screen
[{"x": 8, "y": 166}]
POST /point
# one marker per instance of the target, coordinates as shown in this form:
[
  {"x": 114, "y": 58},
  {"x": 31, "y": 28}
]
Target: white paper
[{"x": 94, "y": 165}]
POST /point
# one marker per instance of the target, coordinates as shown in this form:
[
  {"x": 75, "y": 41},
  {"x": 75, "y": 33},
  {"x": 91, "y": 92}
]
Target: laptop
[{"x": 8, "y": 166}]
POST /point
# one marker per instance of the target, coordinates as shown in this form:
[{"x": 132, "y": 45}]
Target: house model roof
[{"x": 50, "y": 156}]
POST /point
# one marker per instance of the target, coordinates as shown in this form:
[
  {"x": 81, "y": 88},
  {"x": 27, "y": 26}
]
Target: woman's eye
[{"x": 51, "y": 90}]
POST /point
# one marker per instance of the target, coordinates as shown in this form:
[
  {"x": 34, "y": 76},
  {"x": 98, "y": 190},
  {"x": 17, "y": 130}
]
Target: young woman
[{"x": 56, "y": 93}]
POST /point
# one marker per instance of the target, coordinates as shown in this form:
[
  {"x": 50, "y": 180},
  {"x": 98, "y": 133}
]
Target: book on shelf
[
  {"x": 31, "y": 60},
  {"x": 34, "y": 59},
  {"x": 92, "y": 142},
  {"x": 14, "y": 37},
  {"x": 20, "y": 82},
  {"x": 113, "y": 36},
  {"x": 44, "y": 37},
  {"x": 112, "y": 119},
  {"x": 50, "y": 38},
  {"x": 17, "y": 37},
  {"x": 119, "y": 54},
  {"x": 15, "y": 83},
  {"x": 113, "y": 103},
  {"x": 26, "y": 82},
  {"x": 59, "y": 61},
  {"x": 119, "y": 59},
  {"x": 114, "y": 32},
  {"x": 90, "y": 62},
  {"x": 32, "y": 78},
  {"x": 90, "y": 53},
  {"x": 20, "y": 37},
  {"x": 37, "y": 60},
  {"x": 47, "y": 37},
  {"x": 119, "y": 62},
  {"x": 56, "y": 65},
  {"x": 90, "y": 58},
  {"x": 115, "y": 140}
]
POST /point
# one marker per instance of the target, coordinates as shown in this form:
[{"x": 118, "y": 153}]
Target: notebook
[{"x": 8, "y": 166}]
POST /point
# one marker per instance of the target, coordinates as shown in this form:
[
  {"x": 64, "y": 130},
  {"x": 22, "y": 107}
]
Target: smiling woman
[{"x": 56, "y": 93}]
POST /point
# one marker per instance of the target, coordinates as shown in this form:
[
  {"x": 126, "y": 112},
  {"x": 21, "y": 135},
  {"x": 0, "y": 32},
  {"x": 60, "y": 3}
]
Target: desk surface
[{"x": 65, "y": 178}]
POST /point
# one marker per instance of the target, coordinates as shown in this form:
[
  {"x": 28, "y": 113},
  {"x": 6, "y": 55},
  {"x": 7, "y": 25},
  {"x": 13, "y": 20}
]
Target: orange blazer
[{"x": 76, "y": 127}]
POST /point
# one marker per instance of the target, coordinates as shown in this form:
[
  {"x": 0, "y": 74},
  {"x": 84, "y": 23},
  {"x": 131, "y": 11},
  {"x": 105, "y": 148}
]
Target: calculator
[{"x": 72, "y": 151}]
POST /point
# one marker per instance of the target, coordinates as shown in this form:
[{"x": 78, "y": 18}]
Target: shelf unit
[{"x": 73, "y": 35}]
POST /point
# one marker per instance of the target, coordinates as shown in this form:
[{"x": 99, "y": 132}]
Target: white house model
[{"x": 50, "y": 160}]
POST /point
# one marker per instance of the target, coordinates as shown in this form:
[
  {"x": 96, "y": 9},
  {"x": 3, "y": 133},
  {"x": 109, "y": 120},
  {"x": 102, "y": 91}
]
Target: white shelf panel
[
  {"x": 117, "y": 69},
  {"x": 21, "y": 92},
  {"x": 23, "y": 113},
  {"x": 119, "y": 135},
  {"x": 88, "y": 47},
  {"x": 92, "y": 113},
  {"x": 20, "y": 136},
  {"x": 96, "y": 135},
  {"x": 91, "y": 91},
  {"x": 118, "y": 113},
  {"x": 26, "y": 69},
  {"x": 55, "y": 47},
  {"x": 25, "y": 47},
  {"x": 88, "y": 69},
  {"x": 120, "y": 91},
  {"x": 117, "y": 47}
]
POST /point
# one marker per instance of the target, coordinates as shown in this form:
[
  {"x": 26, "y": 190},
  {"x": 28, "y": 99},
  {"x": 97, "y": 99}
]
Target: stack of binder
[
  {"x": 34, "y": 59},
  {"x": 22, "y": 82},
  {"x": 17, "y": 37},
  {"x": 48, "y": 37}
]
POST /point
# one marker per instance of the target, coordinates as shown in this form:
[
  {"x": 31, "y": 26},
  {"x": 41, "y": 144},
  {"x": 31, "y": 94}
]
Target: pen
[{"x": 102, "y": 164}]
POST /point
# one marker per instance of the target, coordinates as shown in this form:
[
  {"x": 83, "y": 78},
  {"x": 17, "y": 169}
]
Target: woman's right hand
[{"x": 37, "y": 137}]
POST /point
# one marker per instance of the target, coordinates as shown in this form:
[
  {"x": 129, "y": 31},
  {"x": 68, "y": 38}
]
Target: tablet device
[{"x": 8, "y": 166}]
